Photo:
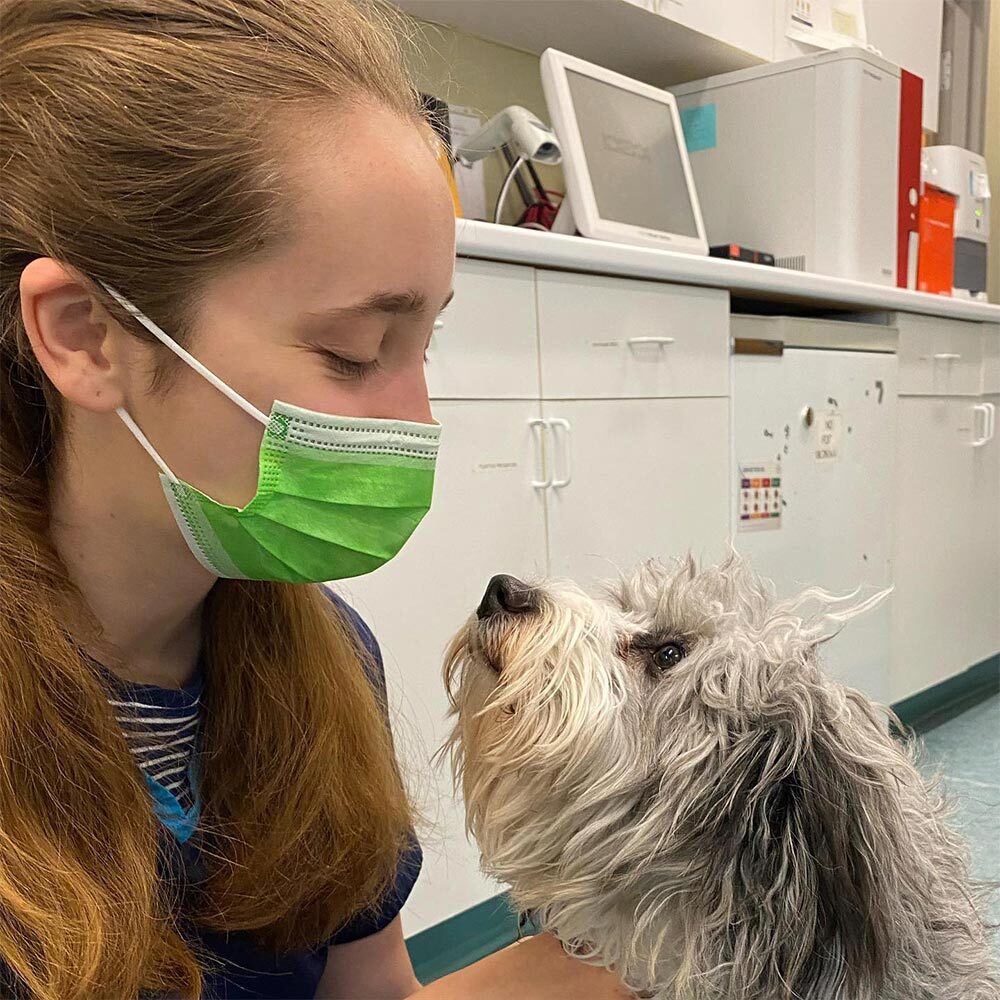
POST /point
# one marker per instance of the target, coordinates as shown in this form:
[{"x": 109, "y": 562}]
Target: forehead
[{"x": 369, "y": 208}]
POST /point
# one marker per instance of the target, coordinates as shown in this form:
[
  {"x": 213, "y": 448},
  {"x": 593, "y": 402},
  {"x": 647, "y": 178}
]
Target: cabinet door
[
  {"x": 485, "y": 344},
  {"x": 647, "y": 478},
  {"x": 486, "y": 518},
  {"x": 944, "y": 608},
  {"x": 835, "y": 524}
]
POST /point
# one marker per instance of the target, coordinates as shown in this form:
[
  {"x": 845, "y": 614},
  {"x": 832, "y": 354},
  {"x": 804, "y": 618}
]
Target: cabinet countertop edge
[{"x": 509, "y": 244}]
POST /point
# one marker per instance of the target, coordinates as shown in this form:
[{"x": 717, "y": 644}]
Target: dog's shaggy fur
[{"x": 715, "y": 828}]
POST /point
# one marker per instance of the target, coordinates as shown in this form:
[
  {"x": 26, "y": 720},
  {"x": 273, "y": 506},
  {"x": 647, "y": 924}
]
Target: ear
[
  {"x": 69, "y": 334},
  {"x": 813, "y": 844}
]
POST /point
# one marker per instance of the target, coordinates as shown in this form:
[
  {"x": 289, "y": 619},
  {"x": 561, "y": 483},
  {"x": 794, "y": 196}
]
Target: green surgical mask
[{"x": 336, "y": 496}]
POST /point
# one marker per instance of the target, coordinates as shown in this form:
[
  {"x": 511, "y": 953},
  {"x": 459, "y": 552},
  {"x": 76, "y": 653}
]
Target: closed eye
[{"x": 349, "y": 367}]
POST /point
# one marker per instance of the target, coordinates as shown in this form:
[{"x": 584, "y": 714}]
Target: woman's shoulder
[{"x": 366, "y": 639}]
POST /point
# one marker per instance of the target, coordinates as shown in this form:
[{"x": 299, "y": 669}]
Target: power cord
[{"x": 515, "y": 166}]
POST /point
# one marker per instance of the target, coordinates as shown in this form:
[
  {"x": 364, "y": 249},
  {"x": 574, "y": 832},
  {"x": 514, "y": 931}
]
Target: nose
[{"x": 506, "y": 594}]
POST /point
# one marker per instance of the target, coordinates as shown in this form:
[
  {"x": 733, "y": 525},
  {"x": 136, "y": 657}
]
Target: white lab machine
[
  {"x": 628, "y": 178},
  {"x": 963, "y": 172},
  {"x": 800, "y": 159},
  {"x": 814, "y": 444}
]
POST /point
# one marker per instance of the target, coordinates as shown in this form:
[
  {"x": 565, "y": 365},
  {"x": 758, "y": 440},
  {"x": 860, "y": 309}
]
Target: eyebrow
[{"x": 395, "y": 303}]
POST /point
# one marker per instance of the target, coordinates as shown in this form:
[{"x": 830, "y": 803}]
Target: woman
[{"x": 217, "y": 214}]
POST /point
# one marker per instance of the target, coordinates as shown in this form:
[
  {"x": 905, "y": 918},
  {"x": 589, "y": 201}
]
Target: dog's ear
[{"x": 808, "y": 828}]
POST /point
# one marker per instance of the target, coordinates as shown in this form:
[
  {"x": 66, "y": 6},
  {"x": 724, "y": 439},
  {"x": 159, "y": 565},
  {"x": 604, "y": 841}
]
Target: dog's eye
[{"x": 668, "y": 655}]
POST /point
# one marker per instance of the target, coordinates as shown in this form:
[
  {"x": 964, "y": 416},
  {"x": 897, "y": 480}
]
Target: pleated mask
[{"x": 336, "y": 496}]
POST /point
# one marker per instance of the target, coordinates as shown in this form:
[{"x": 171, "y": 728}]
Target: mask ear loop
[
  {"x": 188, "y": 359},
  {"x": 144, "y": 441}
]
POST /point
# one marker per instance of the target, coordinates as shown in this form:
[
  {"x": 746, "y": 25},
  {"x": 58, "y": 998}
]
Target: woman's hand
[{"x": 535, "y": 968}]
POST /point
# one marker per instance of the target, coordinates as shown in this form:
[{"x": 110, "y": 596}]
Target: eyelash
[{"x": 359, "y": 370}]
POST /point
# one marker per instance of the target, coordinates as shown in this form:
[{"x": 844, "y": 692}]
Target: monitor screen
[{"x": 632, "y": 157}]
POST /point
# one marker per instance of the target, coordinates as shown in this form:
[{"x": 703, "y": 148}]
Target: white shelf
[
  {"x": 574, "y": 253},
  {"x": 613, "y": 33}
]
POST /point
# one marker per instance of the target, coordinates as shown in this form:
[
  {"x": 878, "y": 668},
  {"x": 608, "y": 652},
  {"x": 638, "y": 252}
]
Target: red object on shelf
[
  {"x": 936, "y": 262},
  {"x": 911, "y": 96}
]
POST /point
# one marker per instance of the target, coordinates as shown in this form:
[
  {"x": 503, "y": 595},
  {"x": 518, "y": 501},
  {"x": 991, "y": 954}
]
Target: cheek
[{"x": 206, "y": 439}]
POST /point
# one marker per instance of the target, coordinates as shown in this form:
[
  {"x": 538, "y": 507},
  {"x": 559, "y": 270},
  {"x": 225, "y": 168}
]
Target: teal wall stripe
[
  {"x": 479, "y": 931},
  {"x": 927, "y": 709}
]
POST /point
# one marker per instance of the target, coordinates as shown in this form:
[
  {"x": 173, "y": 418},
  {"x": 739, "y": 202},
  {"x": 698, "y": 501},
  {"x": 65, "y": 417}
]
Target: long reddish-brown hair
[{"x": 137, "y": 147}]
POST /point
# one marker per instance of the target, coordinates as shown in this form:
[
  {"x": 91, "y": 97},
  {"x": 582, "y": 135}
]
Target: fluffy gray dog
[{"x": 673, "y": 787}]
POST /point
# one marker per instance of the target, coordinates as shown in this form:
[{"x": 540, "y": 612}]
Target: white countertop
[{"x": 575, "y": 253}]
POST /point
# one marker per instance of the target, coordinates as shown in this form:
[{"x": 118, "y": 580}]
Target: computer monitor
[{"x": 628, "y": 178}]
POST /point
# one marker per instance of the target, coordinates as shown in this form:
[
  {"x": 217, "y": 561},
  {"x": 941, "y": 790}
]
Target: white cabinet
[
  {"x": 835, "y": 524},
  {"x": 616, "y": 338},
  {"x": 745, "y": 25},
  {"x": 947, "y": 558},
  {"x": 486, "y": 518},
  {"x": 946, "y": 599},
  {"x": 646, "y": 477}
]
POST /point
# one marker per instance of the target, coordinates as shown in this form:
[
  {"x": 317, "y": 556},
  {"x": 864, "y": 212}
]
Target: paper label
[
  {"x": 494, "y": 467},
  {"x": 699, "y": 127},
  {"x": 759, "y": 492},
  {"x": 829, "y": 429},
  {"x": 470, "y": 181}
]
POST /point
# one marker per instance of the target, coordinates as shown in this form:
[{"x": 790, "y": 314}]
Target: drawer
[
  {"x": 485, "y": 345},
  {"x": 939, "y": 357},
  {"x": 991, "y": 358},
  {"x": 619, "y": 338}
]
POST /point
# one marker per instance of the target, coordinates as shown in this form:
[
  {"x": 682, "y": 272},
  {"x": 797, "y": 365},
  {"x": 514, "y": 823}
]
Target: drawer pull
[
  {"x": 659, "y": 341},
  {"x": 947, "y": 357}
]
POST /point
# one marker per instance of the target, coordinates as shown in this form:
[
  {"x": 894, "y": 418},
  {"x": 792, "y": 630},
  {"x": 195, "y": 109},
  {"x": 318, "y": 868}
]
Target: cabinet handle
[
  {"x": 947, "y": 357},
  {"x": 541, "y": 484},
  {"x": 984, "y": 409},
  {"x": 567, "y": 476},
  {"x": 992, "y": 428},
  {"x": 659, "y": 341}
]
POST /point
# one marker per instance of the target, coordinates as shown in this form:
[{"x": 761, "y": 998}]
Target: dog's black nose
[{"x": 506, "y": 593}]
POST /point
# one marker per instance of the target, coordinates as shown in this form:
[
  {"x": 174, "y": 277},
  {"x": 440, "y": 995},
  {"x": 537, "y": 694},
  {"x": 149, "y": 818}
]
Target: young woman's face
[{"x": 337, "y": 320}]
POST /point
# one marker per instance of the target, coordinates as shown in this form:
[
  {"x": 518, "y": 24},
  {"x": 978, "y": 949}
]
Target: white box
[{"x": 800, "y": 159}]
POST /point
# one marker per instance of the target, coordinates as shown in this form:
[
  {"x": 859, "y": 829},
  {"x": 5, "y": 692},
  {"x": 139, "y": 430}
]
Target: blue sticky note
[{"x": 699, "y": 127}]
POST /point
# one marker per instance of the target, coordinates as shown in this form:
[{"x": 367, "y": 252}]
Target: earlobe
[{"x": 69, "y": 334}]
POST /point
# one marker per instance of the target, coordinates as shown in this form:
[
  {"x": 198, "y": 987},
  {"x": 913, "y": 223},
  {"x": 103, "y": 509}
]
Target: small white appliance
[
  {"x": 628, "y": 178},
  {"x": 963, "y": 172},
  {"x": 800, "y": 159}
]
